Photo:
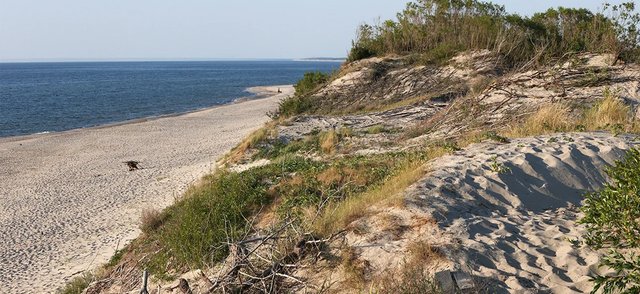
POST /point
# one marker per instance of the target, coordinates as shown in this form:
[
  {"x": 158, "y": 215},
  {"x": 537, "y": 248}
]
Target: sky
[{"x": 33, "y": 30}]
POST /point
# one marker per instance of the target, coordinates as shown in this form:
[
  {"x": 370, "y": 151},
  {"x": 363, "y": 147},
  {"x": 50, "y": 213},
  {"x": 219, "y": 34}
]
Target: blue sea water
[{"x": 50, "y": 97}]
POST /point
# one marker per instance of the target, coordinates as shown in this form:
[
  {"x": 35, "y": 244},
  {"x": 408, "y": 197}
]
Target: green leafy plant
[
  {"x": 492, "y": 135},
  {"x": 611, "y": 217},
  {"x": 300, "y": 102},
  {"x": 498, "y": 167}
]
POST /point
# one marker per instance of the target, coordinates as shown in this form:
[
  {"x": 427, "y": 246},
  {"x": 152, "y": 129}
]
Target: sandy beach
[{"x": 68, "y": 200}]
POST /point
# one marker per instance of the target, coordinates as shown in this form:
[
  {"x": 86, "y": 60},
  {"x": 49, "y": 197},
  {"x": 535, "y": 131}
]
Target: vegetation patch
[
  {"x": 77, "y": 284},
  {"x": 338, "y": 215},
  {"x": 435, "y": 30},
  {"x": 611, "y": 216},
  {"x": 554, "y": 117},
  {"x": 300, "y": 102},
  {"x": 607, "y": 113}
]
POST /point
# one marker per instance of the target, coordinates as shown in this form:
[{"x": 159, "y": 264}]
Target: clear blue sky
[{"x": 197, "y": 29}]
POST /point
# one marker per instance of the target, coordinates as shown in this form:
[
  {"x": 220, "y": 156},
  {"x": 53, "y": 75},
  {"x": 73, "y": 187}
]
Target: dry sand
[
  {"x": 514, "y": 229},
  {"x": 68, "y": 201}
]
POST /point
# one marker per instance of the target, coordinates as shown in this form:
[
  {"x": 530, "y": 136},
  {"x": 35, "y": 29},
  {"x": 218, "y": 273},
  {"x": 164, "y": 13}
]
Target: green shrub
[
  {"x": 611, "y": 217},
  {"x": 360, "y": 52},
  {"x": 301, "y": 102},
  {"x": 440, "y": 28},
  {"x": 294, "y": 105},
  {"x": 310, "y": 82}
]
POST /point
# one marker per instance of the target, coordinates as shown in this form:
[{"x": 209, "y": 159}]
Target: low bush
[
  {"x": 300, "y": 102},
  {"x": 611, "y": 217},
  {"x": 310, "y": 82}
]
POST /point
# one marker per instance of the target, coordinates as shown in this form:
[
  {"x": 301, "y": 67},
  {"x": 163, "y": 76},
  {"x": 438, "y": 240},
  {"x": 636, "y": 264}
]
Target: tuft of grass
[
  {"x": 116, "y": 257},
  {"x": 328, "y": 141},
  {"x": 421, "y": 252},
  {"x": 151, "y": 220},
  {"x": 412, "y": 279},
  {"x": 77, "y": 284},
  {"x": 550, "y": 118},
  {"x": 377, "y": 129},
  {"x": 492, "y": 135},
  {"x": 607, "y": 113},
  {"x": 355, "y": 269},
  {"x": 251, "y": 141}
]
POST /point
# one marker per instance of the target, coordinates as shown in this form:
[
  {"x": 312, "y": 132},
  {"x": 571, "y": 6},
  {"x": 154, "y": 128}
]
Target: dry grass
[
  {"x": 78, "y": 284},
  {"x": 339, "y": 215},
  {"x": 328, "y": 141},
  {"x": 151, "y": 219},
  {"x": 424, "y": 252},
  {"x": 355, "y": 269},
  {"x": 412, "y": 276},
  {"x": 268, "y": 131},
  {"x": 609, "y": 112},
  {"x": 550, "y": 118},
  {"x": 342, "y": 176}
]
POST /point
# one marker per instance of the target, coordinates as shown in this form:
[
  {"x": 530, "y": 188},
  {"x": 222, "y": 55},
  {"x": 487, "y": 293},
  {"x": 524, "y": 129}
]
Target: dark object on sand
[
  {"x": 279, "y": 91},
  {"x": 133, "y": 165}
]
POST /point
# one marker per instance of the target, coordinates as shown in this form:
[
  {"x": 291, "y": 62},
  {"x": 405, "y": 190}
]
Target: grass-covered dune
[{"x": 289, "y": 207}]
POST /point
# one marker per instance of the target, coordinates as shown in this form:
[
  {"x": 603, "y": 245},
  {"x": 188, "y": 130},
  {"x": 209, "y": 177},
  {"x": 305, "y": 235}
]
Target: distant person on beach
[{"x": 279, "y": 91}]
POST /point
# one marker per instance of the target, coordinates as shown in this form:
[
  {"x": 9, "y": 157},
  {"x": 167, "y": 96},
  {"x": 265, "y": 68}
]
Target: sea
[{"x": 58, "y": 96}]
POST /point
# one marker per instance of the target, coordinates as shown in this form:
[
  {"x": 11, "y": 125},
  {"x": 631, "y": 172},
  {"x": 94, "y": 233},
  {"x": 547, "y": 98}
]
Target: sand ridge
[
  {"x": 515, "y": 229},
  {"x": 68, "y": 200}
]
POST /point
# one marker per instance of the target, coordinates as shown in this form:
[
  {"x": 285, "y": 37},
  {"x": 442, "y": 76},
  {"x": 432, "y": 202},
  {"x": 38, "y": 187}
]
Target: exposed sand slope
[
  {"x": 512, "y": 231},
  {"x": 515, "y": 227},
  {"x": 67, "y": 199}
]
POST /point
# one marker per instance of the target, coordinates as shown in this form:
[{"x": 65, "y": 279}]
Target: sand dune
[
  {"x": 513, "y": 229},
  {"x": 67, "y": 199}
]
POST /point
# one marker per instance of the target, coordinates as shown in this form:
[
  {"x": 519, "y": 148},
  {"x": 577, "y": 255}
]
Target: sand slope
[
  {"x": 67, "y": 199},
  {"x": 514, "y": 229}
]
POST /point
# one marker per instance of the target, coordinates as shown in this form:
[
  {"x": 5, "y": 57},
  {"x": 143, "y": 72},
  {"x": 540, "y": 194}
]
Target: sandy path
[{"x": 67, "y": 200}]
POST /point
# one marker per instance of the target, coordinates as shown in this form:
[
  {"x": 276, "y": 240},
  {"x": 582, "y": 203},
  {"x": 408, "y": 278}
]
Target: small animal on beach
[{"x": 132, "y": 164}]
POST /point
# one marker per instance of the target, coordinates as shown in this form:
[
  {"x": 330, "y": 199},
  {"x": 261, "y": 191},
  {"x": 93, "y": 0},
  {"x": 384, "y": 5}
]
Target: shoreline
[
  {"x": 69, "y": 201},
  {"x": 257, "y": 92}
]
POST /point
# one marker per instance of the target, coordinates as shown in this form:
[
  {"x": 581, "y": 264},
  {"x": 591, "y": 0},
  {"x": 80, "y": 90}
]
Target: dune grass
[
  {"x": 338, "y": 215},
  {"x": 607, "y": 113},
  {"x": 554, "y": 117},
  {"x": 77, "y": 284},
  {"x": 251, "y": 141},
  {"x": 328, "y": 141},
  {"x": 194, "y": 232},
  {"x": 610, "y": 113}
]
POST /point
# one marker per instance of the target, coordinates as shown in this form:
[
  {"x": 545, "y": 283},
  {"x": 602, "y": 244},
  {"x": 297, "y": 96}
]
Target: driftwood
[{"x": 256, "y": 266}]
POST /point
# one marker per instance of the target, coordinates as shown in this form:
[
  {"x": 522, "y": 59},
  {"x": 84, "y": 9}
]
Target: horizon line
[{"x": 54, "y": 60}]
